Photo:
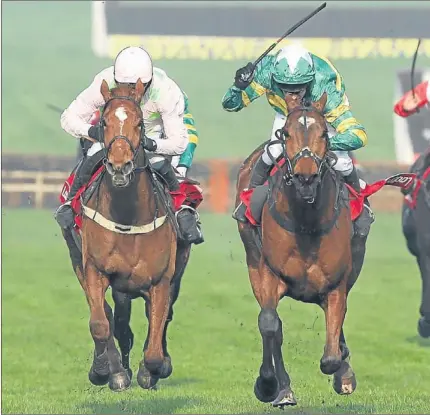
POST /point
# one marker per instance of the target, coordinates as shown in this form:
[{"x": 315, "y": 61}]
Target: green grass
[
  {"x": 47, "y": 60},
  {"x": 214, "y": 340}
]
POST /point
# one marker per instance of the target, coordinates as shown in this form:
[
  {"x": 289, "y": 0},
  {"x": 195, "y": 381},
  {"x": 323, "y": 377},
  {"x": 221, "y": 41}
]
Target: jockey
[
  {"x": 169, "y": 126},
  {"x": 293, "y": 70},
  {"x": 410, "y": 103}
]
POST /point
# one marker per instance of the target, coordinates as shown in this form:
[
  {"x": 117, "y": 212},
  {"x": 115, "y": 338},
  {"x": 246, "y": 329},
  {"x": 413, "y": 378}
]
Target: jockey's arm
[
  {"x": 409, "y": 104},
  {"x": 171, "y": 108},
  {"x": 76, "y": 118},
  {"x": 235, "y": 99},
  {"x": 187, "y": 156},
  {"x": 350, "y": 134}
]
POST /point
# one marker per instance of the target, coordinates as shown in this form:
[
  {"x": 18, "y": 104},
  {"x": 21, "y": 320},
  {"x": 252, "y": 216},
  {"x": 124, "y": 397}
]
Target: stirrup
[{"x": 186, "y": 207}]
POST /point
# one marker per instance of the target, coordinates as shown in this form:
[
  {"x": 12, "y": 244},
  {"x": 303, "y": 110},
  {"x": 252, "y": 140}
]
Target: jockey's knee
[
  {"x": 344, "y": 163},
  {"x": 95, "y": 148},
  {"x": 275, "y": 152},
  {"x": 159, "y": 163}
]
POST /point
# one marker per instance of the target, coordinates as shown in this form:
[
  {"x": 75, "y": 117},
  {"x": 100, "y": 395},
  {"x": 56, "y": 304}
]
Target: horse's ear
[
  {"x": 292, "y": 101},
  {"x": 104, "y": 90},
  {"x": 320, "y": 104},
  {"x": 139, "y": 91}
]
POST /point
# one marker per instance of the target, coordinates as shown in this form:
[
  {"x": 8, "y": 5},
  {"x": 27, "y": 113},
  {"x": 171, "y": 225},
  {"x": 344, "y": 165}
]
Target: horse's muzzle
[
  {"x": 121, "y": 176},
  {"x": 306, "y": 186}
]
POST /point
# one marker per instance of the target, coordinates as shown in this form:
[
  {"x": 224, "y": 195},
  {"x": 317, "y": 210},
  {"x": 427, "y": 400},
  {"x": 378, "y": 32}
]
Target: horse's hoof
[
  {"x": 166, "y": 369},
  {"x": 285, "y": 398},
  {"x": 119, "y": 382},
  {"x": 424, "y": 328},
  {"x": 145, "y": 379},
  {"x": 266, "y": 390},
  {"x": 344, "y": 382},
  {"x": 97, "y": 379},
  {"x": 330, "y": 365}
]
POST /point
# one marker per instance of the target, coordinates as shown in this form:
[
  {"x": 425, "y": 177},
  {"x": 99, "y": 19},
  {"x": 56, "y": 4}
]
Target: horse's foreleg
[
  {"x": 334, "y": 308},
  {"x": 424, "y": 321},
  {"x": 122, "y": 329},
  {"x": 268, "y": 289},
  {"x": 159, "y": 304},
  {"x": 286, "y": 395},
  {"x": 344, "y": 382},
  {"x": 106, "y": 363}
]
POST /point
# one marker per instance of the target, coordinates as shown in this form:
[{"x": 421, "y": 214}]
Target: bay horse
[
  {"x": 304, "y": 248},
  {"x": 129, "y": 242},
  {"x": 416, "y": 230}
]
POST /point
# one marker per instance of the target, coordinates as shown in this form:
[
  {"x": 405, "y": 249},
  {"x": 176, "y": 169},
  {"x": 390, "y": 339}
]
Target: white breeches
[{"x": 343, "y": 165}]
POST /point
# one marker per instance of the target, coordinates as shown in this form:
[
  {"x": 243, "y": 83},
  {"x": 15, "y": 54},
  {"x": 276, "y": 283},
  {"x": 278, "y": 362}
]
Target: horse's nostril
[{"x": 128, "y": 167}]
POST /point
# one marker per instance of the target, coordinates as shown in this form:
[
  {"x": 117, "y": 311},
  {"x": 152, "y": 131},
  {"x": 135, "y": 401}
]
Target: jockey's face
[{"x": 297, "y": 91}]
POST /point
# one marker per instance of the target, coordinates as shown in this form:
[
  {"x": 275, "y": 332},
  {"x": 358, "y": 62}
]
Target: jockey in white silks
[{"x": 169, "y": 127}]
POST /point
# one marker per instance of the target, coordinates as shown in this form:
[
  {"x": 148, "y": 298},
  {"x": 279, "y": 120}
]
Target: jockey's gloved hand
[
  {"x": 96, "y": 132},
  {"x": 244, "y": 76},
  {"x": 150, "y": 145}
]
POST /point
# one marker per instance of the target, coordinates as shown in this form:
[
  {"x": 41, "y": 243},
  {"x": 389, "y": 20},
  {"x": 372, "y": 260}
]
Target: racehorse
[
  {"x": 129, "y": 242},
  {"x": 304, "y": 249},
  {"x": 416, "y": 230}
]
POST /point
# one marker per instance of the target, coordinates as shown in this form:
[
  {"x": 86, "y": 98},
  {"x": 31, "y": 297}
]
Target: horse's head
[
  {"x": 123, "y": 129},
  {"x": 306, "y": 144}
]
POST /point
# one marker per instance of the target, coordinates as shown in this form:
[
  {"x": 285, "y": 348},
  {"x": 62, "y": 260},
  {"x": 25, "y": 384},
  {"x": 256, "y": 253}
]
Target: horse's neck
[
  {"x": 310, "y": 215},
  {"x": 131, "y": 205}
]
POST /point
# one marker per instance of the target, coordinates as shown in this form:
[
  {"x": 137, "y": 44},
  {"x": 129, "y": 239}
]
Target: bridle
[
  {"x": 142, "y": 139},
  {"x": 282, "y": 136}
]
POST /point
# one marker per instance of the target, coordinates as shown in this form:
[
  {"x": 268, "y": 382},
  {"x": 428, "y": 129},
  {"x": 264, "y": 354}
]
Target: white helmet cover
[{"x": 131, "y": 64}]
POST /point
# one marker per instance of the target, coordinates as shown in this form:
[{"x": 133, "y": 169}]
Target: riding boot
[
  {"x": 258, "y": 177},
  {"x": 64, "y": 215},
  {"x": 363, "y": 222},
  {"x": 186, "y": 217}
]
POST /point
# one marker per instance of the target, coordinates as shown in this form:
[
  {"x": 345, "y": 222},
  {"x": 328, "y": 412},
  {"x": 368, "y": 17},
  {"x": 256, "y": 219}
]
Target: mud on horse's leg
[
  {"x": 154, "y": 358},
  {"x": 106, "y": 361},
  {"x": 334, "y": 307},
  {"x": 122, "y": 329}
]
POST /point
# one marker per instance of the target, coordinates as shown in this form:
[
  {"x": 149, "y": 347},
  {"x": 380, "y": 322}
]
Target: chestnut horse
[
  {"x": 129, "y": 242},
  {"x": 304, "y": 249}
]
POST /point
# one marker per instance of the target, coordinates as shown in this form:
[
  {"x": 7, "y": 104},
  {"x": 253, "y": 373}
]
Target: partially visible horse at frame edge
[{"x": 416, "y": 230}]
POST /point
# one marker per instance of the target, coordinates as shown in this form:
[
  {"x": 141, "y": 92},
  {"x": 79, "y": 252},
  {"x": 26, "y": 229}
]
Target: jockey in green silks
[{"x": 296, "y": 71}]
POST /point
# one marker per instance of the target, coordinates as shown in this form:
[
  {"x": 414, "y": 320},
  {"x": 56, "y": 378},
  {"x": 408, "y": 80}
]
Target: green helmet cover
[{"x": 293, "y": 65}]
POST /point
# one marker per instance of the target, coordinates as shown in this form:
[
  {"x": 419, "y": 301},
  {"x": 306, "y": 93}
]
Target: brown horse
[
  {"x": 129, "y": 242},
  {"x": 303, "y": 249}
]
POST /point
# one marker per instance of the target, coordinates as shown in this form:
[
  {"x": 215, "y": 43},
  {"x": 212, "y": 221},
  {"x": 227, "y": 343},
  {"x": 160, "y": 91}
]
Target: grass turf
[
  {"x": 214, "y": 339},
  {"x": 47, "y": 59}
]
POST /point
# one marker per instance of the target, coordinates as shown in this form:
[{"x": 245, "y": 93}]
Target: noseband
[{"x": 282, "y": 136}]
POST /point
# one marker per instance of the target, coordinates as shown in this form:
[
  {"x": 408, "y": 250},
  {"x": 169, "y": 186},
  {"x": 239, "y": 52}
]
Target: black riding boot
[
  {"x": 186, "y": 216},
  {"x": 363, "y": 222},
  {"x": 259, "y": 175},
  {"x": 64, "y": 215}
]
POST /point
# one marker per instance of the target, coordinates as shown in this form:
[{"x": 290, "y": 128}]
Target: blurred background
[{"x": 51, "y": 51}]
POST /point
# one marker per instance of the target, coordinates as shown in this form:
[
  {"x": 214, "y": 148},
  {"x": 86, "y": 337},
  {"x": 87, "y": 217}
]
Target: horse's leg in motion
[
  {"x": 158, "y": 305},
  {"x": 107, "y": 361},
  {"x": 122, "y": 329},
  {"x": 334, "y": 307},
  {"x": 148, "y": 381},
  {"x": 424, "y": 264},
  {"x": 273, "y": 383},
  {"x": 344, "y": 382}
]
